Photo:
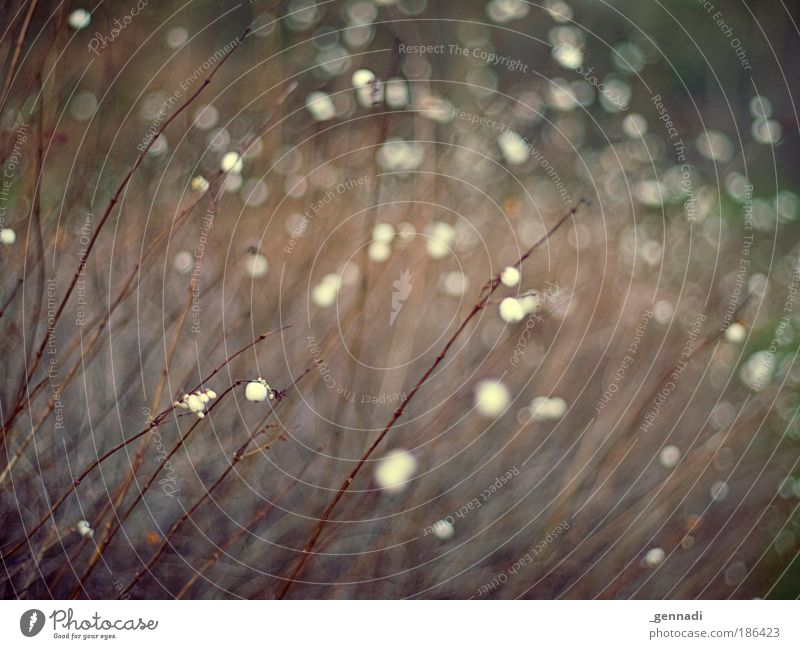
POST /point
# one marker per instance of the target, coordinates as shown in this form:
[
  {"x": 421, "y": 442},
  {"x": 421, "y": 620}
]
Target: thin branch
[
  {"x": 107, "y": 213},
  {"x": 17, "y": 51},
  {"x": 486, "y": 293},
  {"x": 237, "y": 457},
  {"x": 244, "y": 529},
  {"x": 11, "y": 297},
  {"x": 70, "y": 375},
  {"x": 154, "y": 403},
  {"x": 157, "y": 420},
  {"x": 111, "y": 528}
]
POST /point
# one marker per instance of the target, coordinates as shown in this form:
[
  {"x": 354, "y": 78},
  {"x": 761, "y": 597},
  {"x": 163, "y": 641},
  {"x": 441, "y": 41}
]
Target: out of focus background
[{"x": 266, "y": 332}]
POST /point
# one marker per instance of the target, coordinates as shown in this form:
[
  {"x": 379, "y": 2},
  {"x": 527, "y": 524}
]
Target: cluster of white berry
[
  {"x": 196, "y": 402},
  {"x": 258, "y": 390},
  {"x": 84, "y": 528}
]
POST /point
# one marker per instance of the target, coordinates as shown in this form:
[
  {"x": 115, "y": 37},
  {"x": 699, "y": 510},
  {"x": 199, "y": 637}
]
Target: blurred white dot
[
  {"x": 654, "y": 557},
  {"x": 255, "y": 192},
  {"x": 568, "y": 56},
  {"x": 218, "y": 140},
  {"x": 628, "y": 58},
  {"x": 649, "y": 192},
  {"x": 662, "y": 311},
  {"x": 399, "y": 155},
  {"x": 84, "y": 528},
  {"x": 719, "y": 491},
  {"x": 358, "y": 36},
  {"x": 153, "y": 106},
  {"x": 634, "y": 125},
  {"x": 545, "y": 408},
  {"x": 362, "y": 77},
  {"x": 616, "y": 95},
  {"x": 232, "y": 162},
  {"x": 443, "y": 530},
  {"x": 334, "y": 61},
  {"x": 735, "y": 333},
  {"x": 264, "y": 25},
  {"x": 378, "y": 251},
  {"x": 83, "y": 105},
  {"x": 503, "y": 11},
  {"x": 760, "y": 106},
  {"x": 256, "y": 265},
  {"x": 511, "y": 310},
  {"x": 158, "y": 146},
  {"x": 757, "y": 283},
  {"x": 361, "y": 12},
  {"x": 454, "y": 283},
  {"x": 176, "y": 37},
  {"x": 324, "y": 294},
  {"x": 383, "y": 232},
  {"x": 529, "y": 303},
  {"x": 183, "y": 262},
  {"x": 436, "y": 108},
  {"x": 296, "y": 185},
  {"x": 200, "y": 184},
  {"x": 735, "y": 573},
  {"x": 320, "y": 106},
  {"x": 559, "y": 11},
  {"x": 757, "y": 371},
  {"x": 302, "y": 15},
  {"x": 766, "y": 131},
  {"x": 669, "y": 456},
  {"x": 296, "y": 224},
  {"x": 232, "y": 182},
  {"x": 254, "y": 149},
  {"x": 723, "y": 414},
  {"x": 491, "y": 398},
  {"x": 206, "y": 117},
  {"x": 788, "y": 205},
  {"x": 514, "y": 149},
  {"x": 412, "y": 7},
  {"x": 737, "y": 186},
  {"x": 440, "y": 238},
  {"x": 510, "y": 276},
  {"x": 405, "y": 233},
  {"x": 395, "y": 470},
  {"x": 397, "y": 95},
  {"x": 650, "y": 252},
  {"x": 715, "y": 145},
  {"x": 79, "y": 19}
]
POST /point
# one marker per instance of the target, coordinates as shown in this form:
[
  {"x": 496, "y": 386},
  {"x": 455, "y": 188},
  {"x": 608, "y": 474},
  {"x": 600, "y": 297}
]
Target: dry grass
[{"x": 107, "y": 325}]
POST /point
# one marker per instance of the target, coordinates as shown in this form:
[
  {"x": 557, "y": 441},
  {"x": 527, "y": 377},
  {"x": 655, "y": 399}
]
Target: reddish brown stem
[
  {"x": 486, "y": 293},
  {"x": 237, "y": 457},
  {"x": 18, "y": 51},
  {"x": 157, "y": 420},
  {"x": 104, "y": 218}
]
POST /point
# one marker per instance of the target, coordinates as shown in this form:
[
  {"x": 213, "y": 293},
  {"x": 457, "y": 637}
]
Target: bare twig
[
  {"x": 155, "y": 421},
  {"x": 244, "y": 529},
  {"x": 237, "y": 457},
  {"x": 104, "y": 218},
  {"x": 485, "y": 294},
  {"x": 17, "y": 51}
]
